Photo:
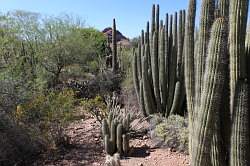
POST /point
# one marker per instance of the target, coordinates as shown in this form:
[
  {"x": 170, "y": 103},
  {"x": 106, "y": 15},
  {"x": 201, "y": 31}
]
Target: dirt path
[
  {"x": 86, "y": 147},
  {"x": 87, "y": 150}
]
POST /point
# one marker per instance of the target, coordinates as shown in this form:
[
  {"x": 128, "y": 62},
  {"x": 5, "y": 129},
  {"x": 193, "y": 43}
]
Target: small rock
[{"x": 140, "y": 164}]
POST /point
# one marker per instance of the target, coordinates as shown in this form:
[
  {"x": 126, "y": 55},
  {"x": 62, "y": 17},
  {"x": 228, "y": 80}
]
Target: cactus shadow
[{"x": 140, "y": 152}]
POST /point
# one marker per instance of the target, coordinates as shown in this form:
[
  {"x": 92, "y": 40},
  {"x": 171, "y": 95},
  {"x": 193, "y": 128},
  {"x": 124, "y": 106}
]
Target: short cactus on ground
[{"x": 115, "y": 132}]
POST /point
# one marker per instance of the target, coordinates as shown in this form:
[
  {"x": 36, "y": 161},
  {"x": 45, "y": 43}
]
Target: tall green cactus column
[
  {"x": 211, "y": 94},
  {"x": 164, "y": 80},
  {"x": 114, "y": 49},
  {"x": 206, "y": 21},
  {"x": 239, "y": 154},
  {"x": 162, "y": 71},
  {"x": 179, "y": 92},
  {"x": 189, "y": 68},
  {"x": 238, "y": 22},
  {"x": 239, "y": 91},
  {"x": 155, "y": 58},
  {"x": 150, "y": 106}
]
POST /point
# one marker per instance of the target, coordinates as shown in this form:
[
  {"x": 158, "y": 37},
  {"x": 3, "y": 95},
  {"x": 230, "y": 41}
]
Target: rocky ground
[{"x": 86, "y": 149}]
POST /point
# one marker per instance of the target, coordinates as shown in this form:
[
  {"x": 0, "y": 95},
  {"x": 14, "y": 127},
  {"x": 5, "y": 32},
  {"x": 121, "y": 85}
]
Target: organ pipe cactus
[
  {"x": 204, "y": 65},
  {"x": 211, "y": 94},
  {"x": 237, "y": 35},
  {"x": 205, "y": 86},
  {"x": 206, "y": 21},
  {"x": 239, "y": 153},
  {"x": 155, "y": 65}
]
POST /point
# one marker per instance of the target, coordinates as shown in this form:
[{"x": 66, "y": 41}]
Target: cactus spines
[
  {"x": 157, "y": 19},
  {"x": 177, "y": 97},
  {"x": 240, "y": 126},
  {"x": 211, "y": 94},
  {"x": 125, "y": 144},
  {"x": 159, "y": 70},
  {"x": 175, "y": 39},
  {"x": 119, "y": 138},
  {"x": 110, "y": 118},
  {"x": 172, "y": 62},
  {"x": 126, "y": 122},
  {"x": 166, "y": 50},
  {"x": 109, "y": 147},
  {"x": 162, "y": 71},
  {"x": 105, "y": 127},
  {"x": 155, "y": 71},
  {"x": 180, "y": 46},
  {"x": 153, "y": 21},
  {"x": 139, "y": 55},
  {"x": 113, "y": 132},
  {"x": 135, "y": 74},
  {"x": 189, "y": 59},
  {"x": 237, "y": 33},
  {"x": 206, "y": 21},
  {"x": 114, "y": 48},
  {"x": 141, "y": 99},
  {"x": 147, "y": 93},
  {"x": 217, "y": 153},
  {"x": 223, "y": 6}
]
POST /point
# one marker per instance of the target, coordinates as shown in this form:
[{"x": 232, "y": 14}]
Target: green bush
[
  {"x": 45, "y": 115},
  {"x": 17, "y": 147},
  {"x": 174, "y": 131},
  {"x": 54, "y": 106},
  {"x": 96, "y": 107}
]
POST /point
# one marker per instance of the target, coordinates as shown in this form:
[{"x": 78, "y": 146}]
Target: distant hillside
[{"x": 120, "y": 38}]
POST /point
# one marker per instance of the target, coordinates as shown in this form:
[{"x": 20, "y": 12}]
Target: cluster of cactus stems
[
  {"x": 212, "y": 66},
  {"x": 115, "y": 132},
  {"x": 216, "y": 83},
  {"x": 158, "y": 68}
]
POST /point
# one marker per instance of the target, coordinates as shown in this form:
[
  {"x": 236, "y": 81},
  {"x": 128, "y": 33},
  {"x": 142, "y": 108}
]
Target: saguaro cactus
[{"x": 114, "y": 49}]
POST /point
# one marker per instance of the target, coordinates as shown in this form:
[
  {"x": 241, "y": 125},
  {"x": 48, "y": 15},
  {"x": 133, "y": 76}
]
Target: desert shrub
[
  {"x": 93, "y": 85},
  {"x": 174, "y": 132},
  {"x": 17, "y": 147},
  {"x": 47, "y": 114},
  {"x": 127, "y": 82},
  {"x": 125, "y": 58},
  {"x": 96, "y": 107}
]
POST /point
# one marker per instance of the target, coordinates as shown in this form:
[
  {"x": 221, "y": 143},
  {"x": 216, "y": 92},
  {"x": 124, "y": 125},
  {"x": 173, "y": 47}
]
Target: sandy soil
[{"x": 87, "y": 149}]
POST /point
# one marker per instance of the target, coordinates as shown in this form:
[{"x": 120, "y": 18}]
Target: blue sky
[{"x": 131, "y": 15}]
